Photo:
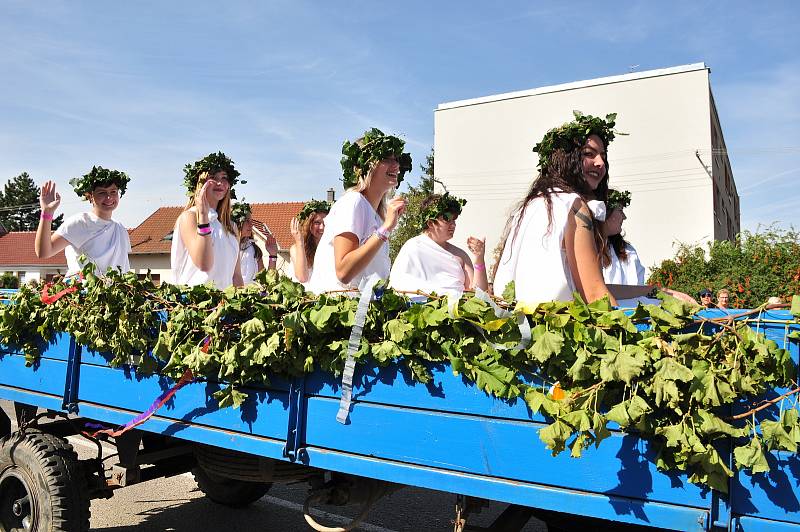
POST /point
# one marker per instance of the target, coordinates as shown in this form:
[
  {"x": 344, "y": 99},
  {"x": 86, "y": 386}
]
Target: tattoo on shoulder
[{"x": 587, "y": 220}]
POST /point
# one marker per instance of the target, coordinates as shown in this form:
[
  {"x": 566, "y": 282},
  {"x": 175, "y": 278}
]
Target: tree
[
  {"x": 753, "y": 268},
  {"x": 19, "y": 205},
  {"x": 408, "y": 226}
]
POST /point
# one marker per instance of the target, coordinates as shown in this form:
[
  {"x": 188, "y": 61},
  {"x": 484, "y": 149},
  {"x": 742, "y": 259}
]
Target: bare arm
[
  {"x": 350, "y": 258},
  {"x": 299, "y": 263},
  {"x": 584, "y": 264},
  {"x": 237, "y": 273},
  {"x": 475, "y": 268},
  {"x": 48, "y": 244}
]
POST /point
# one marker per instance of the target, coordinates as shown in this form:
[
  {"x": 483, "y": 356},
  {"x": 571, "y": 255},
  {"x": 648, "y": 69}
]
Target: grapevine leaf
[
  {"x": 555, "y": 436},
  {"x": 229, "y": 397},
  {"x": 752, "y": 457},
  {"x": 547, "y": 345}
]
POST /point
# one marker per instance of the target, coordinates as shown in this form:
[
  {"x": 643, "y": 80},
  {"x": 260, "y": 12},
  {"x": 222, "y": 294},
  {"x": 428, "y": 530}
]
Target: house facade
[
  {"x": 18, "y": 258},
  {"x": 673, "y": 159}
]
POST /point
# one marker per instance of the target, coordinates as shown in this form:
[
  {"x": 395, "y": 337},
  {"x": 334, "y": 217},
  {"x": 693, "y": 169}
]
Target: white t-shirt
[
  {"x": 629, "y": 272},
  {"x": 248, "y": 264},
  {"x": 422, "y": 264},
  {"x": 535, "y": 259},
  {"x": 352, "y": 213},
  {"x": 226, "y": 252},
  {"x": 104, "y": 242}
]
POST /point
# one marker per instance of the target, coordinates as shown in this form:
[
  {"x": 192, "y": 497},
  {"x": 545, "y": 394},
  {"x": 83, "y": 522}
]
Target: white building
[{"x": 673, "y": 160}]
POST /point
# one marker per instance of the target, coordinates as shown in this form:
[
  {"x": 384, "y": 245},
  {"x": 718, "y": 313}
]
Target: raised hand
[
  {"x": 394, "y": 210},
  {"x": 294, "y": 228},
  {"x": 271, "y": 244},
  {"x": 477, "y": 246},
  {"x": 201, "y": 199},
  {"x": 49, "y": 199}
]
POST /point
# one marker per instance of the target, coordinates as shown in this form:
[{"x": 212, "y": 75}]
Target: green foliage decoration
[
  {"x": 373, "y": 147},
  {"x": 240, "y": 211},
  {"x": 211, "y": 163},
  {"x": 408, "y": 226},
  {"x": 99, "y": 177},
  {"x": 617, "y": 199},
  {"x": 310, "y": 207},
  {"x": 9, "y": 280},
  {"x": 753, "y": 268},
  {"x": 589, "y": 369},
  {"x": 446, "y": 205},
  {"x": 574, "y": 134}
]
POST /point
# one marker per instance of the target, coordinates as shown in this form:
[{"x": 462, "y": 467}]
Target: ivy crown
[
  {"x": 99, "y": 177},
  {"x": 311, "y": 207},
  {"x": 373, "y": 147},
  {"x": 240, "y": 211},
  {"x": 617, "y": 199},
  {"x": 443, "y": 204},
  {"x": 574, "y": 134},
  {"x": 211, "y": 163}
]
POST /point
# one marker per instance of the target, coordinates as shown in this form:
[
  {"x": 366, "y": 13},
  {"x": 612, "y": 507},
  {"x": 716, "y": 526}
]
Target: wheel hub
[{"x": 16, "y": 512}]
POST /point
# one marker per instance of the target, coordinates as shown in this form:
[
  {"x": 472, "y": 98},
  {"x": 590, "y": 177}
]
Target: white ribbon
[
  {"x": 598, "y": 209},
  {"x": 522, "y": 323},
  {"x": 352, "y": 346}
]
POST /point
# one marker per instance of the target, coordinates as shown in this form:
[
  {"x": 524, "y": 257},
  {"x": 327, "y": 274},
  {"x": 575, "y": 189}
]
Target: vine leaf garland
[{"x": 658, "y": 372}]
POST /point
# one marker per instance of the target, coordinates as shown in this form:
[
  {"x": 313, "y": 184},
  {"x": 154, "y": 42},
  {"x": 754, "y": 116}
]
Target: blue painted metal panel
[
  {"x": 265, "y": 412},
  {"x": 622, "y": 465},
  {"x": 755, "y": 524},
  {"x": 46, "y": 377},
  {"x": 674, "y": 517}
]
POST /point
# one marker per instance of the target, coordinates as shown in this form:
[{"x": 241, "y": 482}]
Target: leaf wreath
[
  {"x": 311, "y": 207},
  {"x": 99, "y": 177},
  {"x": 617, "y": 199},
  {"x": 446, "y": 205},
  {"x": 240, "y": 211},
  {"x": 211, "y": 163},
  {"x": 574, "y": 134},
  {"x": 375, "y": 146}
]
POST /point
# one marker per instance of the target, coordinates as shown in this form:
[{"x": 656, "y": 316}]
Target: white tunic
[
  {"x": 104, "y": 242},
  {"x": 352, "y": 213},
  {"x": 536, "y": 260},
  {"x": 424, "y": 265},
  {"x": 226, "y": 251},
  {"x": 630, "y": 271},
  {"x": 248, "y": 264}
]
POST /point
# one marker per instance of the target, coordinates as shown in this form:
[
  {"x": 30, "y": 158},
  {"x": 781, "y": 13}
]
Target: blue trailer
[{"x": 446, "y": 435}]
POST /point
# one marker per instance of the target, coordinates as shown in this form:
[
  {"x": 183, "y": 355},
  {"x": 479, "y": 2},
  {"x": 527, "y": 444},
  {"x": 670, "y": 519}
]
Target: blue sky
[{"x": 147, "y": 86}]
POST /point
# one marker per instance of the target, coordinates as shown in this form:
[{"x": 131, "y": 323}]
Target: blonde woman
[
  {"x": 355, "y": 243},
  {"x": 205, "y": 243},
  {"x": 306, "y": 228}
]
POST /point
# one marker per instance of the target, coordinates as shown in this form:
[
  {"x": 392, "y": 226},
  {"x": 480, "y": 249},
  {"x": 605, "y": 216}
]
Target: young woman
[
  {"x": 94, "y": 234},
  {"x": 429, "y": 263},
  {"x": 251, "y": 259},
  {"x": 205, "y": 246},
  {"x": 307, "y": 228},
  {"x": 621, "y": 264},
  {"x": 551, "y": 242},
  {"x": 354, "y": 244}
]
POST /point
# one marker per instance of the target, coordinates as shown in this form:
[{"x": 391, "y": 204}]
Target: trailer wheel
[
  {"x": 41, "y": 485},
  {"x": 229, "y": 491}
]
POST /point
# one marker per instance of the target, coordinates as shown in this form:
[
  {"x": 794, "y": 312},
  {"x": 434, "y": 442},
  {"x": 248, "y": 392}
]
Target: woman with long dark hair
[
  {"x": 621, "y": 264},
  {"x": 551, "y": 242}
]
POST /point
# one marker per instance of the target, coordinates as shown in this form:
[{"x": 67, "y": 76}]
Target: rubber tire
[
  {"x": 48, "y": 468},
  {"x": 228, "y": 491}
]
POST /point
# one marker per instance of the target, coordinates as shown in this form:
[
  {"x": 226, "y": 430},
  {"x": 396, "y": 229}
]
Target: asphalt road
[{"x": 175, "y": 504}]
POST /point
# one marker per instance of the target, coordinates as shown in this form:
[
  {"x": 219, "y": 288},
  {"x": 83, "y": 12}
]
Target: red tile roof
[
  {"x": 148, "y": 237},
  {"x": 16, "y": 249}
]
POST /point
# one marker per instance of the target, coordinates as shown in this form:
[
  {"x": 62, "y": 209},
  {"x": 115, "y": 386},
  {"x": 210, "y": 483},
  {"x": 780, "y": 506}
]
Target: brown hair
[
  {"x": 309, "y": 242},
  {"x": 564, "y": 172},
  {"x": 223, "y": 207}
]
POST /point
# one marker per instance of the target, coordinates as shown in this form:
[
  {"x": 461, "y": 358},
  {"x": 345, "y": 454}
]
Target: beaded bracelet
[{"x": 382, "y": 234}]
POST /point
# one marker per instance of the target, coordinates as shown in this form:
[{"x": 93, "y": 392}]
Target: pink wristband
[
  {"x": 203, "y": 231},
  {"x": 46, "y": 216},
  {"x": 383, "y": 235},
  {"x": 479, "y": 267}
]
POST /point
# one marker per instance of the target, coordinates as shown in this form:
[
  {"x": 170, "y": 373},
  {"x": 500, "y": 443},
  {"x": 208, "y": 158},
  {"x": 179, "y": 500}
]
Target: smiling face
[
  {"x": 104, "y": 200},
  {"x": 593, "y": 162},
  {"x": 219, "y": 188},
  {"x": 317, "y": 225},
  {"x": 386, "y": 174}
]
